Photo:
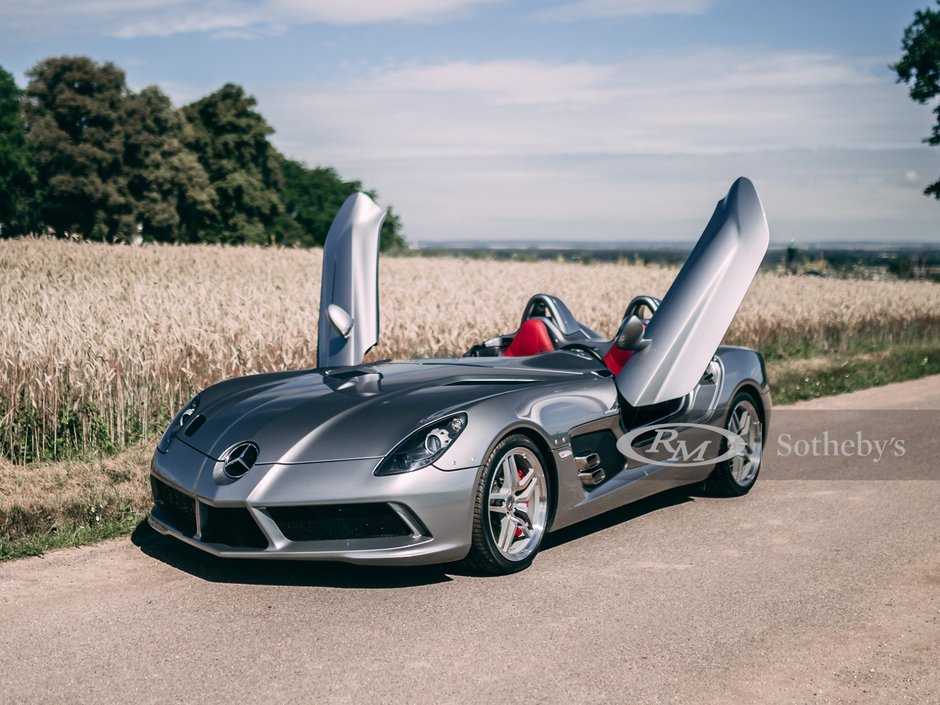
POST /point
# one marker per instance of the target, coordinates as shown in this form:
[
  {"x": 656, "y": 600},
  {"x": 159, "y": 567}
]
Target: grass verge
[
  {"x": 799, "y": 379},
  {"x": 50, "y": 505},
  {"x": 61, "y": 503},
  {"x": 36, "y": 544}
]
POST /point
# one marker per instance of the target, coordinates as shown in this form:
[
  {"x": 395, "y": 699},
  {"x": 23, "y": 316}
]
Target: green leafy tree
[
  {"x": 311, "y": 199},
  {"x": 109, "y": 163},
  {"x": 231, "y": 140},
  {"x": 172, "y": 198},
  {"x": 391, "y": 237},
  {"x": 919, "y": 67},
  {"x": 17, "y": 175},
  {"x": 74, "y": 114}
]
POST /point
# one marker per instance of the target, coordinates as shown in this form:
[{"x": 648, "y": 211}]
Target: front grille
[
  {"x": 232, "y": 526},
  {"x": 178, "y": 508},
  {"x": 339, "y": 522}
]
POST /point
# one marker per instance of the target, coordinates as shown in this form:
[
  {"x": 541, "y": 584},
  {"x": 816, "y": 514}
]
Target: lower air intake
[
  {"x": 232, "y": 526},
  {"x": 178, "y": 508},
  {"x": 339, "y": 522}
]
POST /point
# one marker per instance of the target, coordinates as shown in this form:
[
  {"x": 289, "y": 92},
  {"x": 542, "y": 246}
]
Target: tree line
[{"x": 83, "y": 156}]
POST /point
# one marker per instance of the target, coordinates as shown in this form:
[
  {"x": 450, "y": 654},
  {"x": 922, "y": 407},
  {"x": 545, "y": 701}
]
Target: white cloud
[
  {"x": 239, "y": 22},
  {"x": 640, "y": 148},
  {"x": 712, "y": 101},
  {"x": 371, "y": 11},
  {"x": 584, "y": 9},
  {"x": 128, "y": 19}
]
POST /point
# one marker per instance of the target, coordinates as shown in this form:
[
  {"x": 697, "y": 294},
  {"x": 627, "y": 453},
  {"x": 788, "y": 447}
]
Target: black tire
[
  {"x": 485, "y": 555},
  {"x": 728, "y": 479}
]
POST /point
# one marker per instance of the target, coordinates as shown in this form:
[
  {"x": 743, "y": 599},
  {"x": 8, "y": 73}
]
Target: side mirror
[
  {"x": 630, "y": 335},
  {"x": 341, "y": 321}
]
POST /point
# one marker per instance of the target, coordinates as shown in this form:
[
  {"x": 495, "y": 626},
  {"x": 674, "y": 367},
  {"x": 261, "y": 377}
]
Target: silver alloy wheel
[
  {"x": 745, "y": 422},
  {"x": 517, "y": 504}
]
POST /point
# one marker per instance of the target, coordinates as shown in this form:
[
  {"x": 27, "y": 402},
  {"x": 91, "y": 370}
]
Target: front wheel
[
  {"x": 511, "y": 508},
  {"x": 736, "y": 476}
]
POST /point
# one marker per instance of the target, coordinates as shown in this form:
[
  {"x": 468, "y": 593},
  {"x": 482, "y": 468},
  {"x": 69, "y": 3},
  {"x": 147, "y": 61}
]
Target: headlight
[
  {"x": 423, "y": 447},
  {"x": 180, "y": 420}
]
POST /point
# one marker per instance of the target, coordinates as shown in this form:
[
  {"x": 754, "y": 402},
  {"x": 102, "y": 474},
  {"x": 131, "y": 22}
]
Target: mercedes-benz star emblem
[{"x": 239, "y": 459}]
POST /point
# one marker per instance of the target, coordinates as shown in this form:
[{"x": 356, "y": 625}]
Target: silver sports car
[{"x": 474, "y": 458}]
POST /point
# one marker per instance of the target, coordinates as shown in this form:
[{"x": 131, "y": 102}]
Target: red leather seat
[
  {"x": 531, "y": 339},
  {"x": 616, "y": 358}
]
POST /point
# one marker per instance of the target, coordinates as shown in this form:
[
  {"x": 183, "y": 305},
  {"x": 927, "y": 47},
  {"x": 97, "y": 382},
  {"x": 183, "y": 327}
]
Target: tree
[
  {"x": 74, "y": 116},
  {"x": 101, "y": 162},
  {"x": 17, "y": 175},
  {"x": 311, "y": 199},
  {"x": 391, "y": 237},
  {"x": 231, "y": 141},
  {"x": 172, "y": 198},
  {"x": 920, "y": 68}
]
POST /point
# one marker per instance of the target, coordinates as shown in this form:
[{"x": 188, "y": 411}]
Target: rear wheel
[
  {"x": 736, "y": 476},
  {"x": 511, "y": 508}
]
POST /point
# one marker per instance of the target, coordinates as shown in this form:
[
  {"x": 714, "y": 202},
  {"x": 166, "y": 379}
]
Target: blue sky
[{"x": 511, "y": 119}]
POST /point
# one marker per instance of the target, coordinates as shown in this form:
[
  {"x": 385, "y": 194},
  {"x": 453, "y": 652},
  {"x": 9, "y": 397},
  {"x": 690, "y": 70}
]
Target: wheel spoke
[
  {"x": 510, "y": 474},
  {"x": 524, "y": 481},
  {"x": 736, "y": 467},
  {"x": 522, "y": 525},
  {"x": 526, "y": 494},
  {"x": 507, "y": 532}
]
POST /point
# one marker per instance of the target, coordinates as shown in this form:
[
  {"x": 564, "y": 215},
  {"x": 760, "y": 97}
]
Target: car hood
[{"x": 346, "y": 413}]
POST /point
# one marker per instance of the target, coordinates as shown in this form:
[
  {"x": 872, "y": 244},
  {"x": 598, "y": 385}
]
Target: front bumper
[{"x": 433, "y": 509}]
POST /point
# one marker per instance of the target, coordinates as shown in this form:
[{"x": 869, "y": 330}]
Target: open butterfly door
[
  {"x": 697, "y": 310},
  {"x": 349, "y": 289}
]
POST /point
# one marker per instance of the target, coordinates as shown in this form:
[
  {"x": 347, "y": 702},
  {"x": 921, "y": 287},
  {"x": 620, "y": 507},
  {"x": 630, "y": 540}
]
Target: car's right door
[{"x": 695, "y": 313}]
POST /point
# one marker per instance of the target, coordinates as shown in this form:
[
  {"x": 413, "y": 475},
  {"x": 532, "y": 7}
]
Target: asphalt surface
[{"x": 819, "y": 590}]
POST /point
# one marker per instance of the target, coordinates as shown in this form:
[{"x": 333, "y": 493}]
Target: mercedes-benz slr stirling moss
[{"x": 473, "y": 458}]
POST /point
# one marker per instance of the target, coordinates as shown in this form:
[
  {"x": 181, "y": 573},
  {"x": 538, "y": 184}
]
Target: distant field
[{"x": 98, "y": 344}]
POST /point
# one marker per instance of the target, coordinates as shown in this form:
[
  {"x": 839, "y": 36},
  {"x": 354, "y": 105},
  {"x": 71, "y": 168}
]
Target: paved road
[{"x": 805, "y": 591}]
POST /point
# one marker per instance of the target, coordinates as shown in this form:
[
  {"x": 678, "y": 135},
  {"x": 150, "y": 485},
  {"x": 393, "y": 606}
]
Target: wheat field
[{"x": 98, "y": 344}]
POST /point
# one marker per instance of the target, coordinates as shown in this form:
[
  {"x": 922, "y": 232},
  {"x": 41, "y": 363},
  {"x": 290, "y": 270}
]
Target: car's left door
[{"x": 349, "y": 288}]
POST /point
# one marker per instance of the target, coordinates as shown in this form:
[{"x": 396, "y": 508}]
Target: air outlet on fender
[
  {"x": 485, "y": 381},
  {"x": 195, "y": 425}
]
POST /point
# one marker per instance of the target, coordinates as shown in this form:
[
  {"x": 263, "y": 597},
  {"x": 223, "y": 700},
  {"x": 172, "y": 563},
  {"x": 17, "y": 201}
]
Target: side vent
[{"x": 596, "y": 457}]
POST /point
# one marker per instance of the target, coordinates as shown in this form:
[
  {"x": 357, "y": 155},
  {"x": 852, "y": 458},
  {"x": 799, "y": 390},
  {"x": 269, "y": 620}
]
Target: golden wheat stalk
[{"x": 98, "y": 344}]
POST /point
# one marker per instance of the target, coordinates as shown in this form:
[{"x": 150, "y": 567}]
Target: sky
[{"x": 596, "y": 120}]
